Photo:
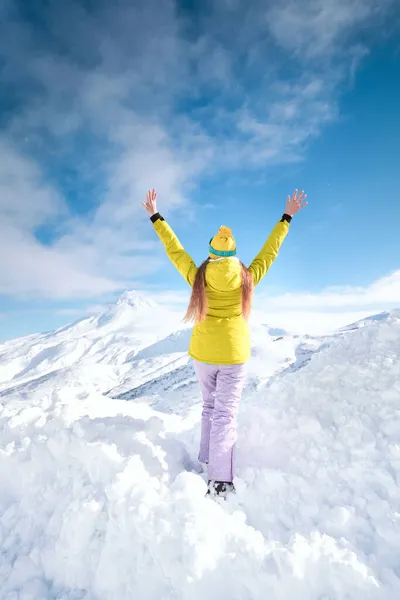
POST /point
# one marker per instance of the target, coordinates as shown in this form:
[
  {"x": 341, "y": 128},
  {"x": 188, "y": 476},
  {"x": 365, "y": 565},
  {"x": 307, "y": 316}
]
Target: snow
[
  {"x": 384, "y": 316},
  {"x": 111, "y": 337},
  {"x": 102, "y": 497}
]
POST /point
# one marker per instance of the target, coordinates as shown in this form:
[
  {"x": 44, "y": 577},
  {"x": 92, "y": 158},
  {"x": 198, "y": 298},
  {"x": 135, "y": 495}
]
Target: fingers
[
  {"x": 296, "y": 202},
  {"x": 301, "y": 196},
  {"x": 297, "y": 197},
  {"x": 151, "y": 195}
]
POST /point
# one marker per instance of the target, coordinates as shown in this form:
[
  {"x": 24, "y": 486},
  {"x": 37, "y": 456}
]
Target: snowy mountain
[
  {"x": 130, "y": 345},
  {"x": 102, "y": 498},
  {"x": 110, "y": 338},
  {"x": 387, "y": 316}
]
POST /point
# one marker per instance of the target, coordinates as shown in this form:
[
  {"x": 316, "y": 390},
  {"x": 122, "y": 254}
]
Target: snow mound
[
  {"x": 104, "y": 499},
  {"x": 325, "y": 451},
  {"x": 113, "y": 512}
]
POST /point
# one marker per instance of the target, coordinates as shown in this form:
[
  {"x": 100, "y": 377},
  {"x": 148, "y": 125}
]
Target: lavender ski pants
[{"x": 221, "y": 387}]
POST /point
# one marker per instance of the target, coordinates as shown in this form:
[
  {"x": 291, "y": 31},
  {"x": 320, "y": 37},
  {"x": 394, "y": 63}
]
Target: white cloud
[
  {"x": 330, "y": 308},
  {"x": 26, "y": 200},
  {"x": 27, "y": 203},
  {"x": 28, "y": 266},
  {"x": 383, "y": 292},
  {"x": 95, "y": 309},
  {"x": 122, "y": 109},
  {"x": 174, "y": 299},
  {"x": 321, "y": 28},
  {"x": 100, "y": 92},
  {"x": 70, "y": 312}
]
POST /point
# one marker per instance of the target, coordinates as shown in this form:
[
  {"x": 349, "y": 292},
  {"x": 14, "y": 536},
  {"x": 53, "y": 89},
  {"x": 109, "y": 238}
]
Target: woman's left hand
[
  {"x": 295, "y": 203},
  {"x": 151, "y": 202}
]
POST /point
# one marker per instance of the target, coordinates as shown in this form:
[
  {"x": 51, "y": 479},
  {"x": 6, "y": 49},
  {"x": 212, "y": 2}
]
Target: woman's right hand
[
  {"x": 151, "y": 202},
  {"x": 295, "y": 203}
]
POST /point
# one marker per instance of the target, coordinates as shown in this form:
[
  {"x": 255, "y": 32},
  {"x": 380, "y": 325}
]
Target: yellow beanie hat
[{"x": 223, "y": 244}]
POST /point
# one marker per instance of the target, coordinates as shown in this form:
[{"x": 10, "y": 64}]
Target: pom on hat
[{"x": 224, "y": 231}]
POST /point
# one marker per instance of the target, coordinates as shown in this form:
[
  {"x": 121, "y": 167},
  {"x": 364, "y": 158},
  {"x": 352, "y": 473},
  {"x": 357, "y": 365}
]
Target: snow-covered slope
[
  {"x": 131, "y": 345},
  {"x": 102, "y": 498},
  {"x": 111, "y": 338},
  {"x": 387, "y": 316}
]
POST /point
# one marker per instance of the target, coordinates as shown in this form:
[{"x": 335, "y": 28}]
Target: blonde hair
[{"x": 197, "y": 309}]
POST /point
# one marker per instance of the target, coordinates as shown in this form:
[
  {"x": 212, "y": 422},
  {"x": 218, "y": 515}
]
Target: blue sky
[{"x": 225, "y": 109}]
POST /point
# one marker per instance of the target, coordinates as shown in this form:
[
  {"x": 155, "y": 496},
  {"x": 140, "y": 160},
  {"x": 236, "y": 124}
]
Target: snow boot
[{"x": 220, "y": 489}]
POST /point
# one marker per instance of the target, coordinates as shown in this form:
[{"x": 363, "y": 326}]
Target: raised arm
[
  {"x": 264, "y": 259},
  {"x": 175, "y": 251}
]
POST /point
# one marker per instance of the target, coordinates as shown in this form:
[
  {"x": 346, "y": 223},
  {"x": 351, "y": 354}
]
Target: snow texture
[{"x": 102, "y": 497}]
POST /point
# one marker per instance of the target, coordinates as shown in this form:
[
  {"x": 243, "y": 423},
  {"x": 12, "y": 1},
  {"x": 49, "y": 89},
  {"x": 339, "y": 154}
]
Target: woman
[{"x": 222, "y": 289}]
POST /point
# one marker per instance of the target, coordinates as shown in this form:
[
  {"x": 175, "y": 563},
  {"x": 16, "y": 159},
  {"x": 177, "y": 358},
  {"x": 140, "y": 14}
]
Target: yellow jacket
[{"x": 223, "y": 337}]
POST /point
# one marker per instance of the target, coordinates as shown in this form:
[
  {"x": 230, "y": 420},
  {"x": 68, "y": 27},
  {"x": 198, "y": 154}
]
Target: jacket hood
[{"x": 224, "y": 275}]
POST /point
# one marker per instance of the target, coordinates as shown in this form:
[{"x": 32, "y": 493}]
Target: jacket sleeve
[
  {"x": 175, "y": 251},
  {"x": 264, "y": 259}
]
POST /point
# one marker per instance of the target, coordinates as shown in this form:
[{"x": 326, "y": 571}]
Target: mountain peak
[{"x": 135, "y": 300}]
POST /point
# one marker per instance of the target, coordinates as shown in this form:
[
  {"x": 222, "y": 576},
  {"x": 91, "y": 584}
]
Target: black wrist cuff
[
  {"x": 155, "y": 217},
  {"x": 286, "y": 217}
]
